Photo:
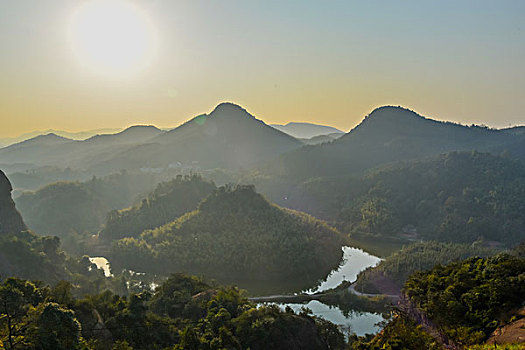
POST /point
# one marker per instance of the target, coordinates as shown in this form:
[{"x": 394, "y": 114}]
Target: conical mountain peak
[{"x": 229, "y": 110}]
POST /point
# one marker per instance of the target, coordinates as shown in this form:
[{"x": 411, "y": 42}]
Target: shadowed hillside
[
  {"x": 169, "y": 201},
  {"x": 236, "y": 235},
  {"x": 228, "y": 137},
  {"x": 59, "y": 151},
  {"x": 388, "y": 134},
  {"x": 10, "y": 220}
]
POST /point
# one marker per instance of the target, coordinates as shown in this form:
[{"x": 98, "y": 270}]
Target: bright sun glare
[{"x": 112, "y": 37}]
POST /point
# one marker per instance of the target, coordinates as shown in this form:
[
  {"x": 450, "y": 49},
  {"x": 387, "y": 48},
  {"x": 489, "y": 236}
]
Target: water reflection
[
  {"x": 360, "y": 323},
  {"x": 354, "y": 261}
]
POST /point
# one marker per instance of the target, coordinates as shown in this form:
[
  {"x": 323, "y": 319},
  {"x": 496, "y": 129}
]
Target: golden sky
[{"x": 327, "y": 63}]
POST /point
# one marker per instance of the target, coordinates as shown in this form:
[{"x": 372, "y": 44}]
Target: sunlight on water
[
  {"x": 356, "y": 322},
  {"x": 102, "y": 263},
  {"x": 354, "y": 261}
]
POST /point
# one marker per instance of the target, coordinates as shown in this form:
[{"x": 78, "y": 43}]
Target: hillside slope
[
  {"x": 228, "y": 137},
  {"x": 10, "y": 220},
  {"x": 53, "y": 150},
  {"x": 236, "y": 235},
  {"x": 169, "y": 201},
  {"x": 386, "y": 135}
]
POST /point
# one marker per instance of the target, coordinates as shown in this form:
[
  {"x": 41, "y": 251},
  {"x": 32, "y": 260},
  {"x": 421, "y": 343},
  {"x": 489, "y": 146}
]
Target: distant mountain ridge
[
  {"x": 303, "y": 130},
  {"x": 55, "y": 150},
  {"x": 386, "y": 135},
  {"x": 231, "y": 138},
  {"x": 81, "y": 135},
  {"x": 228, "y": 137}
]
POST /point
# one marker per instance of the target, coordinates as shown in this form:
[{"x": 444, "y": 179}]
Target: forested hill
[
  {"x": 236, "y": 234},
  {"x": 169, "y": 201},
  {"x": 228, "y": 137},
  {"x": 61, "y": 208},
  {"x": 456, "y": 197},
  {"x": 10, "y": 220},
  {"x": 458, "y": 306},
  {"x": 391, "y": 274},
  {"x": 26, "y": 255},
  {"x": 388, "y": 134},
  {"x": 468, "y": 300}
]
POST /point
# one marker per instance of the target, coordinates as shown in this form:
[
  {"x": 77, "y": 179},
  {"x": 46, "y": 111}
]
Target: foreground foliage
[
  {"x": 183, "y": 313},
  {"x": 396, "y": 268},
  {"x": 469, "y": 299}
]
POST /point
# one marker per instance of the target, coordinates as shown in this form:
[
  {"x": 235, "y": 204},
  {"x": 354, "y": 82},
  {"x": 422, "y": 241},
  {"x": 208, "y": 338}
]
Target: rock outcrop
[{"x": 10, "y": 219}]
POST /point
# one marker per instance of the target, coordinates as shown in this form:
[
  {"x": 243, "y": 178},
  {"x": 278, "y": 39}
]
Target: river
[{"x": 354, "y": 261}]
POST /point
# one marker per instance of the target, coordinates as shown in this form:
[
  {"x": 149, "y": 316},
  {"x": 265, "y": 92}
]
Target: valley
[{"x": 285, "y": 222}]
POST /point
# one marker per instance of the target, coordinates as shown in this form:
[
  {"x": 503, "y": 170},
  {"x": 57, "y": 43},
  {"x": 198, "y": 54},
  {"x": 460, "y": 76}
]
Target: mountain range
[
  {"x": 81, "y": 135},
  {"x": 306, "y": 130},
  {"x": 389, "y": 134},
  {"x": 231, "y": 138}
]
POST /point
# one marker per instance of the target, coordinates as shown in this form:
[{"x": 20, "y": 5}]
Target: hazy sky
[{"x": 328, "y": 62}]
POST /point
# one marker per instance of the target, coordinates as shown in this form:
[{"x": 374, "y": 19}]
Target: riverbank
[{"x": 345, "y": 297}]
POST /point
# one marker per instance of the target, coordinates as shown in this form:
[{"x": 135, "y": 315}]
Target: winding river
[{"x": 354, "y": 261}]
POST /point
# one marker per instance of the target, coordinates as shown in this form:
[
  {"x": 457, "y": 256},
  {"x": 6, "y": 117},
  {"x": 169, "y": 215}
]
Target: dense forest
[
  {"x": 236, "y": 234},
  {"x": 64, "y": 207},
  {"x": 469, "y": 299},
  {"x": 390, "y": 275},
  {"x": 183, "y": 313},
  {"x": 456, "y": 306},
  {"x": 397, "y": 178},
  {"x": 456, "y": 197},
  {"x": 166, "y": 203}
]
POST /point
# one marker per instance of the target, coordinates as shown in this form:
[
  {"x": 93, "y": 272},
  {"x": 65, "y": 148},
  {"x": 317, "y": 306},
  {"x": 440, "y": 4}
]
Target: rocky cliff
[{"x": 10, "y": 219}]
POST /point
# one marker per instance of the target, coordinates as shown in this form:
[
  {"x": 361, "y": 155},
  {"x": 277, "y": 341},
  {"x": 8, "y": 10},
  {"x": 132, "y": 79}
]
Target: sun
[{"x": 112, "y": 37}]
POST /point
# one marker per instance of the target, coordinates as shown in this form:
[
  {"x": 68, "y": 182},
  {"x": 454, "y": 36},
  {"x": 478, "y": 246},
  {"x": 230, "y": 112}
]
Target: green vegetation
[
  {"x": 183, "y": 313},
  {"x": 498, "y": 347},
  {"x": 65, "y": 207},
  {"x": 469, "y": 299},
  {"x": 457, "y": 197},
  {"x": 395, "y": 269},
  {"x": 62, "y": 208},
  {"x": 460, "y": 304},
  {"x": 238, "y": 235},
  {"x": 169, "y": 201},
  {"x": 400, "y": 333}
]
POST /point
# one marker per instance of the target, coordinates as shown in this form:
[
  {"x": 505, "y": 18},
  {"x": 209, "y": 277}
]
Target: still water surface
[{"x": 354, "y": 261}]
